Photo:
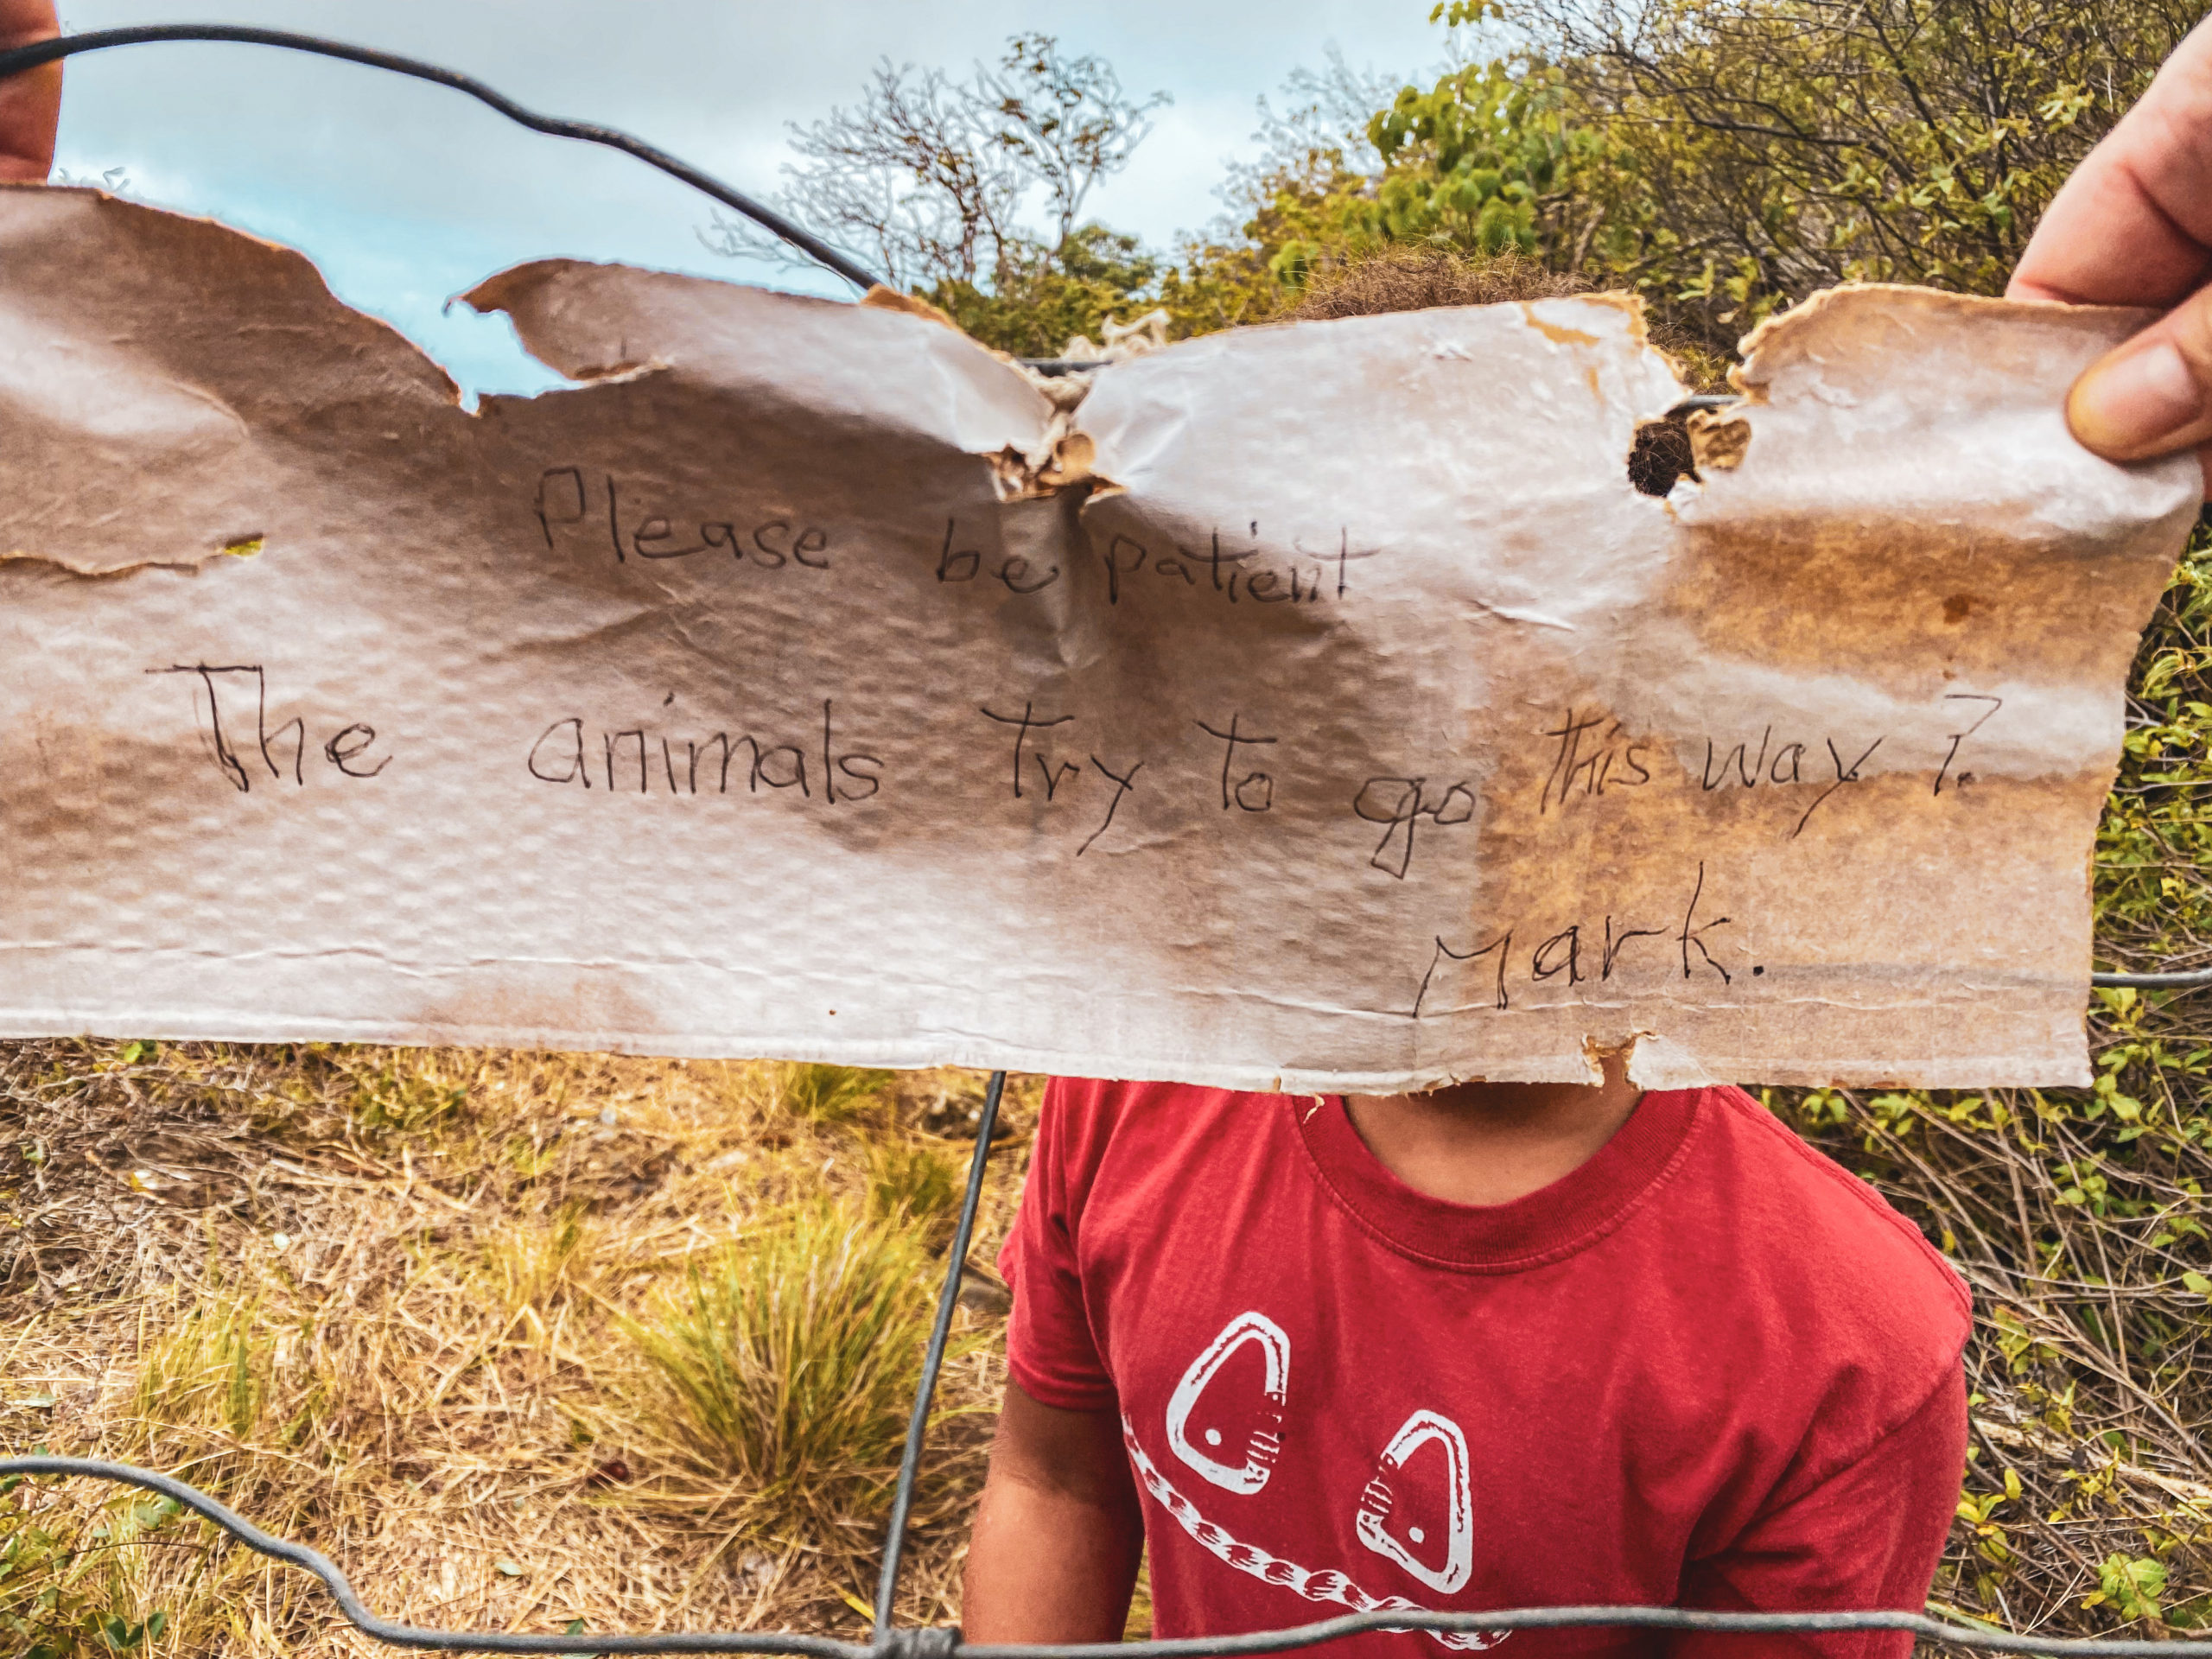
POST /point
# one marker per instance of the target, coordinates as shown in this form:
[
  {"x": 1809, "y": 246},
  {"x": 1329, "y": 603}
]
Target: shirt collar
[{"x": 1572, "y": 1213}]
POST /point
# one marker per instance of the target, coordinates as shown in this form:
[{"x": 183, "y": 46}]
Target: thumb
[
  {"x": 2153, "y": 395},
  {"x": 30, "y": 104}
]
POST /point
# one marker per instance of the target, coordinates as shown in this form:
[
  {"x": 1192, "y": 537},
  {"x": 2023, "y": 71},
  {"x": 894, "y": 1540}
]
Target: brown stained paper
[{"x": 1315, "y": 706}]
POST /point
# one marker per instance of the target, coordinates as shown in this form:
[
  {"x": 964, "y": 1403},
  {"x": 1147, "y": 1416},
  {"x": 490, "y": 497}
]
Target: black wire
[
  {"x": 410, "y": 1635},
  {"x": 44, "y": 52},
  {"x": 2194, "y": 979},
  {"x": 1554, "y": 1618},
  {"x": 910, "y": 1462}
]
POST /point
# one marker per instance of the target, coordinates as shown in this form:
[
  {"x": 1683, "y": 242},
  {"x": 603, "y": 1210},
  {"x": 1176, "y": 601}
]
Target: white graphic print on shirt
[
  {"x": 1263, "y": 1445},
  {"x": 1374, "y": 1502}
]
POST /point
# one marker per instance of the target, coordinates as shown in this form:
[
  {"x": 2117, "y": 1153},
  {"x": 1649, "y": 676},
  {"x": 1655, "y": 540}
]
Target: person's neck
[{"x": 1488, "y": 1143}]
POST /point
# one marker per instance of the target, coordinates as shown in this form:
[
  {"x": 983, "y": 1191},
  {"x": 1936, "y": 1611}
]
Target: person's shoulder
[
  {"x": 1105, "y": 1094},
  {"x": 1827, "y": 1312},
  {"x": 1815, "y": 1233},
  {"x": 1082, "y": 1117},
  {"x": 1131, "y": 1142}
]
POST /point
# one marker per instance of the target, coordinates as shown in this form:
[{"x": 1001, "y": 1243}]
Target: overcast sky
[{"x": 404, "y": 193}]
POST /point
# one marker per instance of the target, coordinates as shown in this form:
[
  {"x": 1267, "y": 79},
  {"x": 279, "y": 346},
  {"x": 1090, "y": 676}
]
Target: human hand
[
  {"x": 30, "y": 105},
  {"x": 2133, "y": 226}
]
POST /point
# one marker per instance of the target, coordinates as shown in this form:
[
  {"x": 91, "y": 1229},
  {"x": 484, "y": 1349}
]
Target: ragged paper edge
[
  {"x": 284, "y": 251},
  {"x": 1763, "y": 349},
  {"x": 1057, "y": 459},
  {"x": 1062, "y": 458},
  {"x": 1654, "y": 1063},
  {"x": 244, "y": 547}
]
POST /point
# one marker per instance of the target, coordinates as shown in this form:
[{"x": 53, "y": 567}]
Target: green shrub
[{"x": 911, "y": 1182}]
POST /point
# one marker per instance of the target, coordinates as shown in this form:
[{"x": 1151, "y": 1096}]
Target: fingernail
[{"x": 2126, "y": 404}]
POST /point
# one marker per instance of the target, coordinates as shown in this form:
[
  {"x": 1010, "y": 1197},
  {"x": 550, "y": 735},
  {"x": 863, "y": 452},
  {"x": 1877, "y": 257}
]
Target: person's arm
[
  {"x": 2133, "y": 226},
  {"x": 30, "y": 105},
  {"x": 1867, "y": 1535},
  {"x": 1059, "y": 1535}
]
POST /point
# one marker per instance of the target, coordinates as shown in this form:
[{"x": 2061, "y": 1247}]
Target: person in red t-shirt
[{"x": 1497, "y": 1346}]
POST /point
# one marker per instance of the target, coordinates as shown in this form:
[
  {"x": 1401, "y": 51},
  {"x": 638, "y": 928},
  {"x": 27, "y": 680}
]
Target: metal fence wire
[{"x": 890, "y": 1640}]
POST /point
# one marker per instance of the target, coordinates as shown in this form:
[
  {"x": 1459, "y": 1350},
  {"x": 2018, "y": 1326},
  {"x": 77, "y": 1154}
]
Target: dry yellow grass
[
  {"x": 451, "y": 1318},
  {"x": 428, "y": 1311}
]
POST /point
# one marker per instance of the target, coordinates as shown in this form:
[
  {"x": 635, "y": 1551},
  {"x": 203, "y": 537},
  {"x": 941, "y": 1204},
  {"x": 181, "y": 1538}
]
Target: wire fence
[{"x": 890, "y": 1640}]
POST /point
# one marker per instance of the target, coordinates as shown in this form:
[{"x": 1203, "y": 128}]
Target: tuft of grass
[
  {"x": 828, "y": 1094},
  {"x": 209, "y": 1369},
  {"x": 788, "y": 1362},
  {"x": 208, "y": 1388},
  {"x": 913, "y": 1182}
]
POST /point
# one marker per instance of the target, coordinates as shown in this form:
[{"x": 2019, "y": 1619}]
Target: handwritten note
[{"x": 1312, "y": 707}]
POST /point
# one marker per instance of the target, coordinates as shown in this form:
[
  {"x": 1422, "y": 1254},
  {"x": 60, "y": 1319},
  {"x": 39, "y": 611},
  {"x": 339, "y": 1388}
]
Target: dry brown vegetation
[
  {"x": 518, "y": 1340},
  {"x": 1400, "y": 278}
]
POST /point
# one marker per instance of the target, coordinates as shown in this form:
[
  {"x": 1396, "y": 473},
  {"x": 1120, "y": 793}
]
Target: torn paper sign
[{"x": 1311, "y": 707}]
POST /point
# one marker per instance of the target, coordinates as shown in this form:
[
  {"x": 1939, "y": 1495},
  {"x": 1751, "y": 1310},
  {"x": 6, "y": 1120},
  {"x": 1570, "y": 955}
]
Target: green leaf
[
  {"x": 2197, "y": 1283},
  {"x": 2133, "y": 1587},
  {"x": 509, "y": 1569}
]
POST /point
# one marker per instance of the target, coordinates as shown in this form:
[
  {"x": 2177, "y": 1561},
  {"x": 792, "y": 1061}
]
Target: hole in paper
[{"x": 1660, "y": 455}]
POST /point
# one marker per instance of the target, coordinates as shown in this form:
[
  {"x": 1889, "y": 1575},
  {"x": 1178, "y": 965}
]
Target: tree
[
  {"x": 1745, "y": 153},
  {"x": 1487, "y": 163},
  {"x": 1035, "y": 308},
  {"x": 1722, "y": 157},
  {"x": 1293, "y": 211},
  {"x": 1064, "y": 121},
  {"x": 930, "y": 178}
]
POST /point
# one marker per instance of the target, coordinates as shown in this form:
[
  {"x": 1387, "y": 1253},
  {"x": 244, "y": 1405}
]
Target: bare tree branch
[{"x": 929, "y": 177}]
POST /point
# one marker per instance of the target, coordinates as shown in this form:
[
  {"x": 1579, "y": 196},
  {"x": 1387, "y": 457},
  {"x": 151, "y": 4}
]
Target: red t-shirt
[{"x": 1707, "y": 1368}]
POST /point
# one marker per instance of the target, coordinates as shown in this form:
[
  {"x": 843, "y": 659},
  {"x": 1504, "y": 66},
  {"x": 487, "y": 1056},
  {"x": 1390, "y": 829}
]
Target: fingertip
[{"x": 2139, "y": 401}]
